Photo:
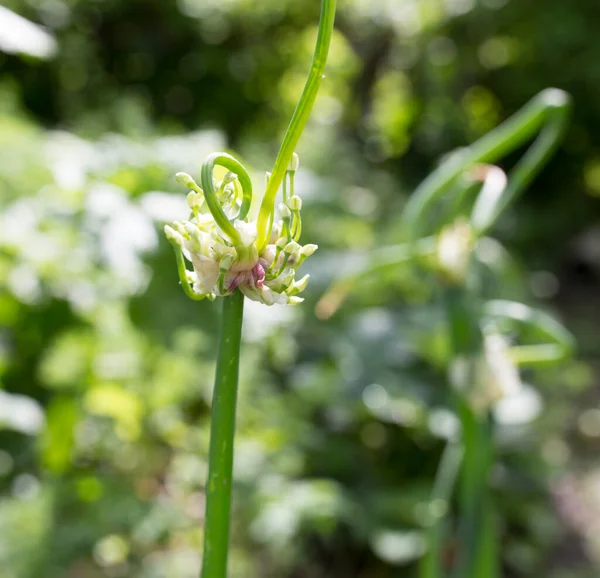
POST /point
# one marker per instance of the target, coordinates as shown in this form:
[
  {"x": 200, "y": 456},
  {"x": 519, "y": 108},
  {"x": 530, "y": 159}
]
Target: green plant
[
  {"x": 483, "y": 365},
  {"x": 236, "y": 257}
]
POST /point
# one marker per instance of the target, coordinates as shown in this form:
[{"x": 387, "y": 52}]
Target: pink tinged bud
[
  {"x": 265, "y": 263},
  {"x": 259, "y": 274},
  {"x": 236, "y": 281}
]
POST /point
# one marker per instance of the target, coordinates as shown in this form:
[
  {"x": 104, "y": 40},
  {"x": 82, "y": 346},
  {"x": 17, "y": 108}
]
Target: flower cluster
[{"x": 222, "y": 243}]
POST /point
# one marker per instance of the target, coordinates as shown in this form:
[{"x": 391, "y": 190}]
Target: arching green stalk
[
  {"x": 299, "y": 119},
  {"x": 559, "y": 343},
  {"x": 548, "y": 112},
  {"x": 212, "y": 200}
]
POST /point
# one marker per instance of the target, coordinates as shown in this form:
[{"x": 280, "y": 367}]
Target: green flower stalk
[
  {"x": 484, "y": 366},
  {"x": 234, "y": 256}
]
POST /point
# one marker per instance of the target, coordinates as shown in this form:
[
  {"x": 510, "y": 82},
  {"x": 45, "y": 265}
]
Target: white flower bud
[
  {"x": 173, "y": 236},
  {"x": 247, "y": 232},
  {"x": 195, "y": 200},
  {"x": 180, "y": 229},
  {"x": 229, "y": 177},
  {"x": 281, "y": 284},
  {"x": 284, "y": 211},
  {"x": 295, "y": 300},
  {"x": 295, "y": 203},
  {"x": 191, "y": 229},
  {"x": 294, "y": 163},
  {"x": 195, "y": 243},
  {"x": 292, "y": 248},
  {"x": 300, "y": 286},
  {"x": 281, "y": 242},
  {"x": 308, "y": 250},
  {"x": 185, "y": 180},
  {"x": 226, "y": 262}
]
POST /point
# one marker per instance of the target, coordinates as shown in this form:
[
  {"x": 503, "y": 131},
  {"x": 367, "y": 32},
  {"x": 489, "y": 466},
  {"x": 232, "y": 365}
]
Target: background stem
[
  {"x": 222, "y": 432},
  {"x": 432, "y": 563},
  {"x": 476, "y": 532}
]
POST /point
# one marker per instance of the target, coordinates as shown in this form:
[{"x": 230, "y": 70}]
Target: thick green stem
[
  {"x": 222, "y": 432},
  {"x": 299, "y": 119}
]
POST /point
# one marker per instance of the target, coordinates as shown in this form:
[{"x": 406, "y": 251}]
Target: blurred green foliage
[{"x": 106, "y": 368}]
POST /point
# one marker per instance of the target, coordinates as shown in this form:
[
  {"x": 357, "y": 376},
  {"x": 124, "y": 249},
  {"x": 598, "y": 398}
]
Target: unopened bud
[
  {"x": 308, "y": 250},
  {"x": 185, "y": 180},
  {"x": 284, "y": 211},
  {"x": 288, "y": 280},
  {"x": 299, "y": 286},
  {"x": 247, "y": 232},
  {"x": 191, "y": 229},
  {"x": 195, "y": 200},
  {"x": 295, "y": 300},
  {"x": 173, "y": 236},
  {"x": 294, "y": 163},
  {"x": 281, "y": 242},
  {"x": 292, "y": 248},
  {"x": 226, "y": 262},
  {"x": 295, "y": 203},
  {"x": 179, "y": 227},
  {"x": 229, "y": 177},
  {"x": 195, "y": 243}
]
